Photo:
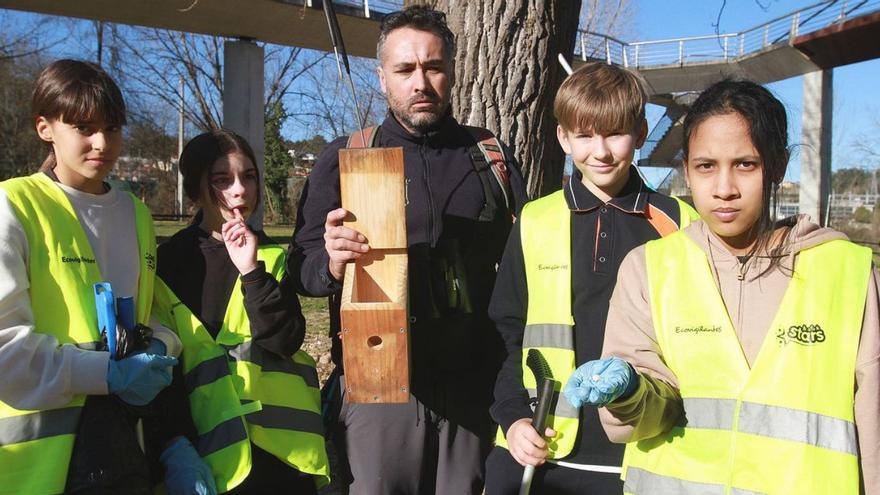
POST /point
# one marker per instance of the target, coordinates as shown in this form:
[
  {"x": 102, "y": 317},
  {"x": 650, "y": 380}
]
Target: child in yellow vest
[
  {"x": 68, "y": 410},
  {"x": 752, "y": 344},
  {"x": 556, "y": 278},
  {"x": 240, "y": 314}
]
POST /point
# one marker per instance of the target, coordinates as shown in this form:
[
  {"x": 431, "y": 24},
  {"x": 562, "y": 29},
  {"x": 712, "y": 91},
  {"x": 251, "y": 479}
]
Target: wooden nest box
[{"x": 374, "y": 312}]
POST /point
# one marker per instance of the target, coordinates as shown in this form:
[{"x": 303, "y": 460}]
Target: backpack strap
[
  {"x": 663, "y": 223},
  {"x": 488, "y": 156},
  {"x": 364, "y": 138}
]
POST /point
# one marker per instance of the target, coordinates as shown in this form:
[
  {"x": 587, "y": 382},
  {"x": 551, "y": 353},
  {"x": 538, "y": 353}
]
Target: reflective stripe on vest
[
  {"x": 38, "y": 425},
  {"x": 549, "y": 335},
  {"x": 268, "y": 362},
  {"x": 287, "y": 418},
  {"x": 765, "y": 420},
  {"x": 786, "y": 424},
  {"x": 641, "y": 481},
  {"x": 223, "y": 435},
  {"x": 35, "y": 446}
]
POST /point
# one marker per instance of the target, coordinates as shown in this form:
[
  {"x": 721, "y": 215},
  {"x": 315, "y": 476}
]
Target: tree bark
[{"x": 507, "y": 75}]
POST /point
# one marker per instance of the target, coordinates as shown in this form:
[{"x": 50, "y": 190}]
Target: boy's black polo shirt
[{"x": 601, "y": 236}]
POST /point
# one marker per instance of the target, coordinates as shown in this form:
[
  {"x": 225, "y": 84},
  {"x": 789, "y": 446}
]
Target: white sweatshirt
[{"x": 37, "y": 372}]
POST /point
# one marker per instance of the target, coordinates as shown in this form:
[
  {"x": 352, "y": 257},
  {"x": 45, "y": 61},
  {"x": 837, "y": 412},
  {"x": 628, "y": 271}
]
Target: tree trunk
[{"x": 507, "y": 75}]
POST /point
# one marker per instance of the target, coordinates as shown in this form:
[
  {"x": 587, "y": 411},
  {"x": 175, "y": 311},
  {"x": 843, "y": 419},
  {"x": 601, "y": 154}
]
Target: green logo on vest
[
  {"x": 698, "y": 329},
  {"x": 77, "y": 259},
  {"x": 801, "y": 334},
  {"x": 552, "y": 267},
  {"x": 151, "y": 261}
]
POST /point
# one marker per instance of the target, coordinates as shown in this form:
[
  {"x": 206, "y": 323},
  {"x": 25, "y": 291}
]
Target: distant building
[{"x": 303, "y": 164}]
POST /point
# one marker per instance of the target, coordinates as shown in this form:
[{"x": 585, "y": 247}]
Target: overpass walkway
[
  {"x": 818, "y": 37},
  {"x": 283, "y": 22}
]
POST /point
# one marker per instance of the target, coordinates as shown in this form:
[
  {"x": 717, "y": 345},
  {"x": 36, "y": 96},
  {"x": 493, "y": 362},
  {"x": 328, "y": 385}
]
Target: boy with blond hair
[{"x": 556, "y": 279}]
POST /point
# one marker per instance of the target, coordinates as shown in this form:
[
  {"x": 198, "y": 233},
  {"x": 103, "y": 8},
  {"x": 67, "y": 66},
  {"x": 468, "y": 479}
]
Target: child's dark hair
[
  {"x": 202, "y": 151},
  {"x": 768, "y": 128},
  {"x": 76, "y": 91}
]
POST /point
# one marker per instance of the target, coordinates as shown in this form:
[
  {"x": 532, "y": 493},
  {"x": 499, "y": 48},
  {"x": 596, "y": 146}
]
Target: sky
[
  {"x": 856, "y": 99},
  {"x": 856, "y": 115}
]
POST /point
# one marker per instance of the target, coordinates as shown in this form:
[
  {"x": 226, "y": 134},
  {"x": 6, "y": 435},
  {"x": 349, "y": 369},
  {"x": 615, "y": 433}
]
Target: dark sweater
[{"x": 601, "y": 236}]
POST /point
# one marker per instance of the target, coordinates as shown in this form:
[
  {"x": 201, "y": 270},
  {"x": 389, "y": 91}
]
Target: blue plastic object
[
  {"x": 106, "y": 307},
  {"x": 125, "y": 312}
]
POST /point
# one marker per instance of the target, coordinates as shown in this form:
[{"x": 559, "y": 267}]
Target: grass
[
  {"x": 315, "y": 311},
  {"x": 317, "y": 341}
]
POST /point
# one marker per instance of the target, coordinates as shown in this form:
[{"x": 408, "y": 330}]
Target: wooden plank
[{"x": 371, "y": 184}]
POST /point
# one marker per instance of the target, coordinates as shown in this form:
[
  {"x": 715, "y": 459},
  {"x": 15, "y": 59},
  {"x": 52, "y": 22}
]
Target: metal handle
[{"x": 539, "y": 421}]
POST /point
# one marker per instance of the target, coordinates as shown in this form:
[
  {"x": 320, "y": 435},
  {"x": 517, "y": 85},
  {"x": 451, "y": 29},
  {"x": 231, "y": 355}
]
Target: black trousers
[
  {"x": 409, "y": 449},
  {"x": 271, "y": 475},
  {"x": 504, "y": 474}
]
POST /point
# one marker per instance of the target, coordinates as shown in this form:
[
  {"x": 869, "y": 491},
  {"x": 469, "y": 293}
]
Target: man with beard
[{"x": 457, "y": 219}]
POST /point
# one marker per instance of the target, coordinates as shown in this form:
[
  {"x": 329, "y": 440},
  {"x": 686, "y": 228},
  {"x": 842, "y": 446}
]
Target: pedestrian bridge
[
  {"x": 283, "y": 22},
  {"x": 818, "y": 37}
]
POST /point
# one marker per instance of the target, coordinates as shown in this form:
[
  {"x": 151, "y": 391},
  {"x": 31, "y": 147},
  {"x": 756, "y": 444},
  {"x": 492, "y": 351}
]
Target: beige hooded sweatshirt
[{"x": 752, "y": 302}]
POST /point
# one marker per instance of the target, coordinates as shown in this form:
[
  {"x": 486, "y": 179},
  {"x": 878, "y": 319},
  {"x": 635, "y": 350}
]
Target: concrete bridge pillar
[
  {"x": 243, "y": 94},
  {"x": 816, "y": 140}
]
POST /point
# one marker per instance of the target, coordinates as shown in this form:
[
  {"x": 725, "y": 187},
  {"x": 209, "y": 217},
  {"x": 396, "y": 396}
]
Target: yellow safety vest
[
  {"x": 240, "y": 393},
  {"x": 786, "y": 425},
  {"x": 35, "y": 446},
  {"x": 549, "y": 320}
]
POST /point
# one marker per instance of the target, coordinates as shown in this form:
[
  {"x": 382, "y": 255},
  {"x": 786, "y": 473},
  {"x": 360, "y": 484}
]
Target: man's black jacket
[{"x": 444, "y": 200}]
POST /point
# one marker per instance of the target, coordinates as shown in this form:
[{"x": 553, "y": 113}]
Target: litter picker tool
[
  {"x": 545, "y": 384},
  {"x": 564, "y": 64},
  {"x": 342, "y": 58}
]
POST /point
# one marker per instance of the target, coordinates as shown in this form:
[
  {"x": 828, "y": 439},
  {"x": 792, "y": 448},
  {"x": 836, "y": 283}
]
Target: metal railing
[
  {"x": 723, "y": 47},
  {"x": 371, "y": 7},
  {"x": 365, "y": 8},
  {"x": 654, "y": 138}
]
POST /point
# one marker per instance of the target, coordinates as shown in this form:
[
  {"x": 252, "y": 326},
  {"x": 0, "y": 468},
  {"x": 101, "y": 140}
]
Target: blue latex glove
[
  {"x": 139, "y": 377},
  {"x": 600, "y": 382},
  {"x": 185, "y": 472},
  {"x": 156, "y": 347}
]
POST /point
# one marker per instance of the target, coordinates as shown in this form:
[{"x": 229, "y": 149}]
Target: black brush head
[{"x": 536, "y": 362}]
